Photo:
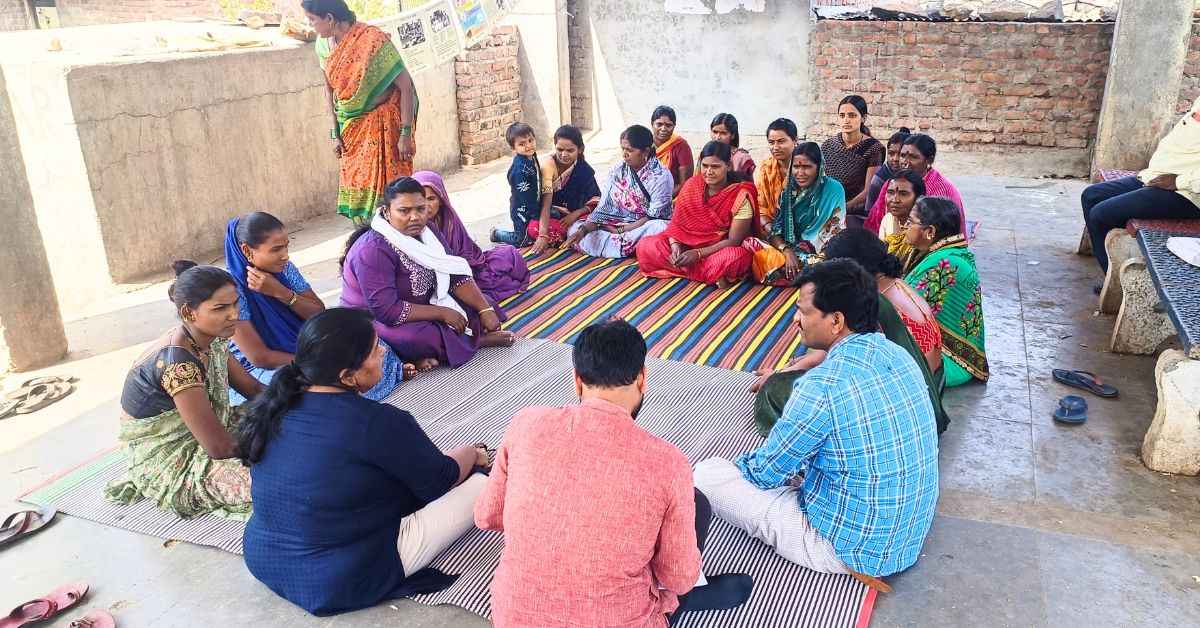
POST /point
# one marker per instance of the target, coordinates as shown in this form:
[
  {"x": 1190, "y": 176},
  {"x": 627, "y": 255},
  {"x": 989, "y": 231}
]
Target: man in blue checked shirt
[{"x": 847, "y": 481}]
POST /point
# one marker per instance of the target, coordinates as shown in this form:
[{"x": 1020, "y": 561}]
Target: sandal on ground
[
  {"x": 42, "y": 395},
  {"x": 8, "y": 408},
  {"x": 24, "y": 523},
  {"x": 872, "y": 582},
  {"x": 1085, "y": 381},
  {"x": 46, "y": 607},
  {"x": 26, "y": 387},
  {"x": 95, "y": 618}
]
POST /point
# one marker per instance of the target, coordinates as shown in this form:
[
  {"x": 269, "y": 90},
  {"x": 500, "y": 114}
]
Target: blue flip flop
[
  {"x": 1072, "y": 410},
  {"x": 1085, "y": 381}
]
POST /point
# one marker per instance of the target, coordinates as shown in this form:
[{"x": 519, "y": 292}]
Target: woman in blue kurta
[
  {"x": 351, "y": 499},
  {"x": 274, "y": 299}
]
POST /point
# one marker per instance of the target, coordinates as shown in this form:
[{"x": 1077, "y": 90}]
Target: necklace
[{"x": 195, "y": 347}]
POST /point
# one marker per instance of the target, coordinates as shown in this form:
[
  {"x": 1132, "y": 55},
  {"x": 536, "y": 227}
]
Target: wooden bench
[
  {"x": 1172, "y": 444},
  {"x": 1085, "y": 241}
]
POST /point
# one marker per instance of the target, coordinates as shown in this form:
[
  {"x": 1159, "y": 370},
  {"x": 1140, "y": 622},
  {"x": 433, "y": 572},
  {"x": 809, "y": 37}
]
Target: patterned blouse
[
  {"x": 153, "y": 382},
  {"x": 849, "y": 165}
]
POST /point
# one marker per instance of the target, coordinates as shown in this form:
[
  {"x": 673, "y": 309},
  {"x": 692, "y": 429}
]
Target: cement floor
[{"x": 1038, "y": 524}]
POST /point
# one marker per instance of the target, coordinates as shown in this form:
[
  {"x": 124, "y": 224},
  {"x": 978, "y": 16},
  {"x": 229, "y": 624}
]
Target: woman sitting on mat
[
  {"x": 946, "y": 277},
  {"x": 274, "y": 300},
  {"x": 636, "y": 202},
  {"x": 351, "y": 499},
  {"x": 771, "y": 176},
  {"x": 724, "y": 129},
  {"x": 903, "y": 189},
  {"x": 673, "y": 152},
  {"x": 714, "y": 213},
  {"x": 891, "y": 165},
  {"x": 425, "y": 302},
  {"x": 917, "y": 154},
  {"x": 812, "y": 209},
  {"x": 904, "y": 317},
  {"x": 500, "y": 272},
  {"x": 176, "y": 421},
  {"x": 569, "y": 188}
]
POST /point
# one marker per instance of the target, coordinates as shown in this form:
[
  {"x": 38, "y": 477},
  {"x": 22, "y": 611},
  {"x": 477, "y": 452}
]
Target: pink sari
[{"x": 935, "y": 185}]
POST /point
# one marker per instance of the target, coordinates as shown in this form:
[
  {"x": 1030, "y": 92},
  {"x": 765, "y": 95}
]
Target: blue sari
[{"x": 279, "y": 326}]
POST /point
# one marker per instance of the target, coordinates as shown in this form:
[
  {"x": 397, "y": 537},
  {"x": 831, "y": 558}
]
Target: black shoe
[{"x": 722, "y": 592}]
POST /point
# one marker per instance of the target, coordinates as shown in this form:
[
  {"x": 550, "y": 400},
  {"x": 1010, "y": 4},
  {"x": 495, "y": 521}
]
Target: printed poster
[
  {"x": 437, "y": 31},
  {"x": 473, "y": 20},
  {"x": 443, "y": 34},
  {"x": 412, "y": 39}
]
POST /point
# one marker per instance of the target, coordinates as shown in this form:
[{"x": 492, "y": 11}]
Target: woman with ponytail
[
  {"x": 853, "y": 156},
  {"x": 351, "y": 499},
  {"x": 177, "y": 418}
]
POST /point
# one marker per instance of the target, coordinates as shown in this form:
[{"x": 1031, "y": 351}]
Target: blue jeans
[
  {"x": 520, "y": 233},
  {"x": 1109, "y": 205}
]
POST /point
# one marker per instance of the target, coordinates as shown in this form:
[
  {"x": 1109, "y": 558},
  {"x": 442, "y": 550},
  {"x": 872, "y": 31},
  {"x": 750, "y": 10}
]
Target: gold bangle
[
  {"x": 487, "y": 309},
  {"x": 295, "y": 297}
]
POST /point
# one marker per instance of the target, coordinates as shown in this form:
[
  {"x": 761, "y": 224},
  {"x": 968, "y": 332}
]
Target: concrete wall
[
  {"x": 31, "y": 329},
  {"x": 16, "y": 15},
  {"x": 544, "y": 64},
  {"x": 91, "y": 12},
  {"x": 134, "y": 161},
  {"x": 753, "y": 65}
]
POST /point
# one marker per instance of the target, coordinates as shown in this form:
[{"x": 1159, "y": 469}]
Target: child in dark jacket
[{"x": 525, "y": 187}]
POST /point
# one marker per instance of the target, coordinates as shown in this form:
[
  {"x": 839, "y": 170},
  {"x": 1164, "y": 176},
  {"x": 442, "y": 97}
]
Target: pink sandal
[{"x": 44, "y": 608}]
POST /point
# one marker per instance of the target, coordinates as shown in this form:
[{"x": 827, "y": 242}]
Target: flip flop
[
  {"x": 8, "y": 408},
  {"x": 44, "y": 608},
  {"x": 24, "y": 389},
  {"x": 24, "y": 523},
  {"x": 1072, "y": 410},
  {"x": 42, "y": 395},
  {"x": 1085, "y": 381},
  {"x": 95, "y": 618}
]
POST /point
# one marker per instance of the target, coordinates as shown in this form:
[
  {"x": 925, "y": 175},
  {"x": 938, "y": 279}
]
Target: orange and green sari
[{"x": 361, "y": 69}]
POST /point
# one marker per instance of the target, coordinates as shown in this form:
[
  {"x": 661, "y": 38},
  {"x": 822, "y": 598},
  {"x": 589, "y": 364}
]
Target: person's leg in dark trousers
[
  {"x": 722, "y": 592},
  {"x": 1111, "y": 208}
]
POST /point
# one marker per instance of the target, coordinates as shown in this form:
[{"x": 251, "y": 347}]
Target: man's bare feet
[
  {"x": 498, "y": 339},
  {"x": 427, "y": 364}
]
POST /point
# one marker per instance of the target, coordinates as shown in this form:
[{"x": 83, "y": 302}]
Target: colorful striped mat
[{"x": 746, "y": 327}]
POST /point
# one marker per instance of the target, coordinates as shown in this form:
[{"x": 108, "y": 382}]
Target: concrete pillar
[
  {"x": 1149, "y": 49},
  {"x": 31, "y": 327},
  {"x": 545, "y": 66}
]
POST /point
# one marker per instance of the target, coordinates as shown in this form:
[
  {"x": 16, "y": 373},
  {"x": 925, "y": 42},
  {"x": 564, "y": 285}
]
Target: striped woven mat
[
  {"x": 744, "y": 328},
  {"x": 705, "y": 411}
]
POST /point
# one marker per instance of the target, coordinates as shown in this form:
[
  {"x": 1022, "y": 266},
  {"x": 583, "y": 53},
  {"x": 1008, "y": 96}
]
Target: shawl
[
  {"x": 359, "y": 69},
  {"x": 947, "y": 279},
  {"x": 770, "y": 178},
  {"x": 624, "y": 201},
  {"x": 935, "y": 185},
  {"x": 700, "y": 221},
  {"x": 663, "y": 152},
  {"x": 276, "y": 323},
  {"x": 804, "y": 213},
  {"x": 458, "y": 240},
  {"x": 575, "y": 187},
  {"x": 427, "y": 252}
]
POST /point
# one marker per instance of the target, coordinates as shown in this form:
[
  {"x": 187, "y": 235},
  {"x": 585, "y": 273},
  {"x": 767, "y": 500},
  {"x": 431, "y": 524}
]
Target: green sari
[
  {"x": 946, "y": 277},
  {"x": 774, "y": 394},
  {"x": 168, "y": 465}
]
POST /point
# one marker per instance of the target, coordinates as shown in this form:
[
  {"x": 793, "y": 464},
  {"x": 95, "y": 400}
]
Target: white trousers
[
  {"x": 429, "y": 531},
  {"x": 771, "y": 516}
]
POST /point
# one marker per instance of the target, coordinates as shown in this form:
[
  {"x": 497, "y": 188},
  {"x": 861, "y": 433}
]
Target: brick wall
[
  {"x": 1191, "y": 73},
  {"x": 15, "y": 15},
  {"x": 973, "y": 86},
  {"x": 579, "y": 48},
  {"x": 88, "y": 12},
  {"x": 489, "y": 95}
]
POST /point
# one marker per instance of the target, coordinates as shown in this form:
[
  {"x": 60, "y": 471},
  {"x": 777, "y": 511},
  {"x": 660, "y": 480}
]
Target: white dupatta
[{"x": 429, "y": 253}]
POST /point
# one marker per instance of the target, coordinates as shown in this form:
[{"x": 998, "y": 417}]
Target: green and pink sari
[{"x": 946, "y": 277}]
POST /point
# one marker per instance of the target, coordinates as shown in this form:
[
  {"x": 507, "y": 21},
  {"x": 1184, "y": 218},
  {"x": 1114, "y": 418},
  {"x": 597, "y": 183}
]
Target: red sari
[{"x": 699, "y": 222}]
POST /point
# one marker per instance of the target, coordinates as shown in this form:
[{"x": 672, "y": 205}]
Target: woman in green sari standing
[
  {"x": 945, "y": 275},
  {"x": 177, "y": 423},
  {"x": 374, "y": 105}
]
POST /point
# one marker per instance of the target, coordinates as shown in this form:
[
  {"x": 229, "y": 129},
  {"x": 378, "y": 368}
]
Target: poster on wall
[{"x": 437, "y": 31}]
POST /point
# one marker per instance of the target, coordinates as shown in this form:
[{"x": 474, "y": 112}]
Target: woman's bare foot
[
  {"x": 428, "y": 364},
  {"x": 725, "y": 284},
  {"x": 498, "y": 339},
  {"x": 410, "y": 370}
]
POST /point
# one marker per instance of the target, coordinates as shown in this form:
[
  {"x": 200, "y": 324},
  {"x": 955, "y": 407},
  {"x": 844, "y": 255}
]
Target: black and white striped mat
[{"x": 705, "y": 411}]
